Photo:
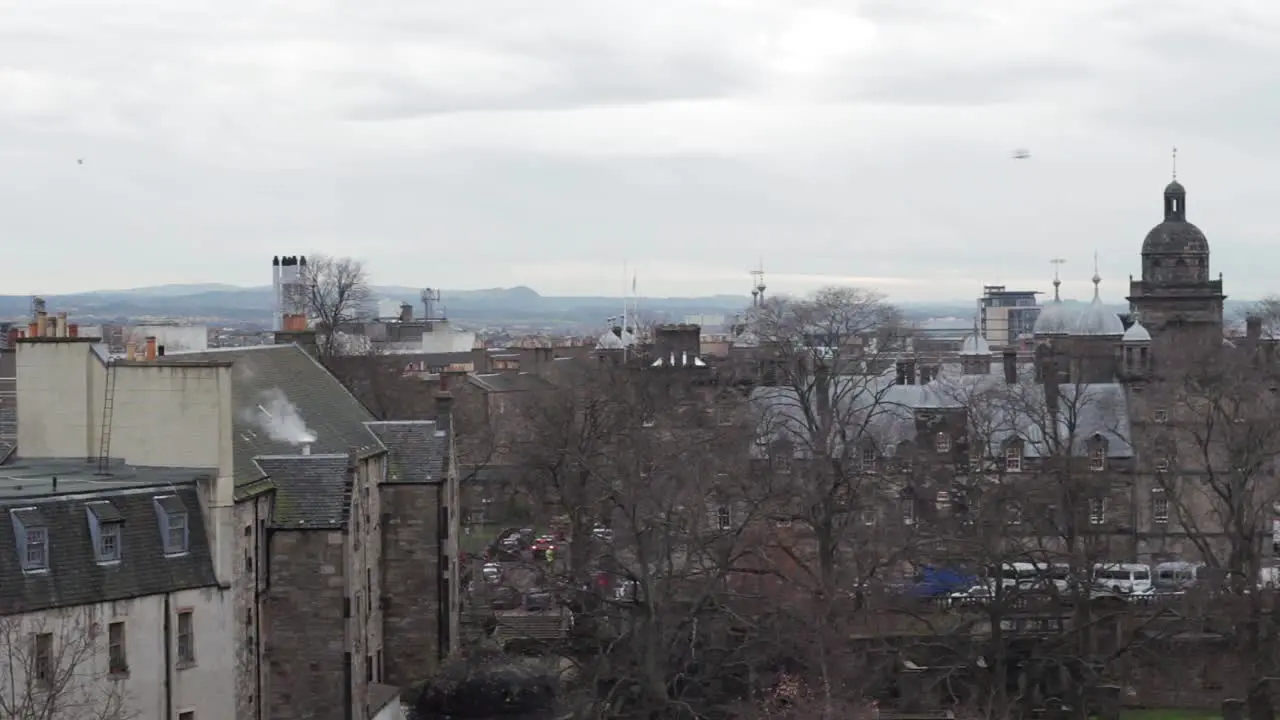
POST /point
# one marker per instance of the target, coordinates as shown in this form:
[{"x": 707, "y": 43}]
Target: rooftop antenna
[
  {"x": 1175, "y": 164},
  {"x": 1057, "y": 282},
  {"x": 757, "y": 279},
  {"x": 1096, "y": 277}
]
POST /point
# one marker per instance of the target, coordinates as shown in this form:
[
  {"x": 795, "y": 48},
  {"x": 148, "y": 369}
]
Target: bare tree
[
  {"x": 337, "y": 293},
  {"x": 1218, "y": 444},
  {"x": 54, "y": 667}
]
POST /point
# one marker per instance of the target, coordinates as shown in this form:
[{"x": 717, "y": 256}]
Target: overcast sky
[{"x": 500, "y": 142}]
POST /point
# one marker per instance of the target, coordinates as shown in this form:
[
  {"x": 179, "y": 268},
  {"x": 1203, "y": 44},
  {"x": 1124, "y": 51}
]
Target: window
[
  {"x": 782, "y": 460},
  {"x": 943, "y": 500},
  {"x": 1162, "y": 465},
  {"x": 36, "y": 556},
  {"x": 109, "y": 542},
  {"x": 1098, "y": 459},
  {"x": 187, "y": 715},
  {"x": 176, "y": 539},
  {"x": 1097, "y": 511},
  {"x": 186, "y": 638},
  {"x": 1159, "y": 507},
  {"x": 1014, "y": 513},
  {"x": 43, "y": 658},
  {"x": 723, "y": 518},
  {"x": 1161, "y": 416},
  {"x": 1013, "y": 458},
  {"x": 868, "y": 460},
  {"x": 117, "y": 660},
  {"x": 942, "y": 442},
  {"x": 908, "y": 505},
  {"x": 868, "y": 516},
  {"x": 368, "y": 668},
  {"x": 174, "y": 526}
]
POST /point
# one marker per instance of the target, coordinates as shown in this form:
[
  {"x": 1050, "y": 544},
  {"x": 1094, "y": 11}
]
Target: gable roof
[
  {"x": 75, "y": 577},
  {"x": 280, "y": 391},
  {"x": 417, "y": 449},
  {"x": 312, "y": 491}
]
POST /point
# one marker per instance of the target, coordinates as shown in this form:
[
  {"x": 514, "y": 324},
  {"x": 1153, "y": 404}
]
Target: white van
[
  {"x": 1029, "y": 575},
  {"x": 1127, "y": 578},
  {"x": 1176, "y": 576}
]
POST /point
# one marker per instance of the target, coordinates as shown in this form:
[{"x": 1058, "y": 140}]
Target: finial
[
  {"x": 1096, "y": 278},
  {"x": 1057, "y": 282},
  {"x": 1175, "y": 164}
]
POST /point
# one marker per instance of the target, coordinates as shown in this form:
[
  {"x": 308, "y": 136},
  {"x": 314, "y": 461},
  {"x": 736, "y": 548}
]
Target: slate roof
[
  {"x": 312, "y": 491},
  {"x": 877, "y": 409},
  {"x": 74, "y": 576},
  {"x": 270, "y": 377},
  {"x": 508, "y": 381},
  {"x": 417, "y": 449}
]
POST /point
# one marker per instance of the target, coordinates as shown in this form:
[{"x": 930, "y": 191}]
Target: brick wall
[
  {"x": 304, "y": 625},
  {"x": 411, "y": 556}
]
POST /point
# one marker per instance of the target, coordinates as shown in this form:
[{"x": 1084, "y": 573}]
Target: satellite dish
[{"x": 1021, "y": 154}]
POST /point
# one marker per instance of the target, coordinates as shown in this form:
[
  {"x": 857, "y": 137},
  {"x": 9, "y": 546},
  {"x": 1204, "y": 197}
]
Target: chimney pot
[
  {"x": 62, "y": 324},
  {"x": 73, "y": 330},
  {"x": 1010, "y": 366},
  {"x": 130, "y": 351},
  {"x": 42, "y": 323},
  {"x": 1253, "y": 327},
  {"x": 151, "y": 347},
  {"x": 306, "y": 449},
  {"x": 160, "y": 351},
  {"x": 33, "y": 330}
]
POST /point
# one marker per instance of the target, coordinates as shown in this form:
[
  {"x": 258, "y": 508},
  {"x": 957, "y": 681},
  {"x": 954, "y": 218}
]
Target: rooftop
[{"x": 35, "y": 478}]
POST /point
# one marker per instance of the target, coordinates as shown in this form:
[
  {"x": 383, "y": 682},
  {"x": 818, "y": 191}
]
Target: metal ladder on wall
[{"x": 108, "y": 406}]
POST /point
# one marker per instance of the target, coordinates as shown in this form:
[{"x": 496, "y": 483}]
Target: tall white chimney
[
  {"x": 276, "y": 309},
  {"x": 306, "y": 449}
]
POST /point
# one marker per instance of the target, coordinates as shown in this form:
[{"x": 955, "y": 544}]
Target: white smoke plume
[{"x": 279, "y": 418}]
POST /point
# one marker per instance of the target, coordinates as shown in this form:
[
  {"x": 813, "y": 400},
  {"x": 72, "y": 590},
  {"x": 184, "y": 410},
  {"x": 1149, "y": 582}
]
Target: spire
[
  {"x": 1097, "y": 280},
  {"x": 1057, "y": 282},
  {"x": 1175, "y": 164}
]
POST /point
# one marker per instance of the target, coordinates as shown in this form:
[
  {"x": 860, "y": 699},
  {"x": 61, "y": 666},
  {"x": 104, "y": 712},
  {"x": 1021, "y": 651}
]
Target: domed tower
[
  {"x": 1175, "y": 296},
  {"x": 1054, "y": 319},
  {"x": 1095, "y": 339},
  {"x": 1136, "y": 347},
  {"x": 975, "y": 353}
]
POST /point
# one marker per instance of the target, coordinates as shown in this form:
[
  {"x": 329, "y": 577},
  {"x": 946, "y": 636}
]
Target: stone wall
[
  {"x": 304, "y": 625},
  {"x": 411, "y": 571}
]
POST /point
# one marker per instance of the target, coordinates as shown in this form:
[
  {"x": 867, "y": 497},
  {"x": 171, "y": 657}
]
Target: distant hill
[
  {"x": 212, "y": 303},
  {"x": 234, "y": 305}
]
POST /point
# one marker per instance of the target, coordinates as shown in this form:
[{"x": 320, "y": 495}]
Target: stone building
[
  {"x": 331, "y": 536},
  {"x": 1097, "y": 405}
]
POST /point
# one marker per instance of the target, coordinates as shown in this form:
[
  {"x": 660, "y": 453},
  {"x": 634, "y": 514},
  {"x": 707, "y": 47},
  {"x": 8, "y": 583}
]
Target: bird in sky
[
  {"x": 79, "y": 161},
  {"x": 1021, "y": 154}
]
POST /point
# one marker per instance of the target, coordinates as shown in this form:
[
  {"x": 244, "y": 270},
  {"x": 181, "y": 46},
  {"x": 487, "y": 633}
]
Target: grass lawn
[{"x": 480, "y": 537}]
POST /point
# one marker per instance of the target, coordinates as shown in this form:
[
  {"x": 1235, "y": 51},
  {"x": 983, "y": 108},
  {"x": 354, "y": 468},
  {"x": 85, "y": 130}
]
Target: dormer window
[
  {"x": 942, "y": 442},
  {"x": 1098, "y": 459},
  {"x": 868, "y": 460},
  {"x": 107, "y": 529},
  {"x": 1013, "y": 458},
  {"x": 33, "y": 539},
  {"x": 174, "y": 527}
]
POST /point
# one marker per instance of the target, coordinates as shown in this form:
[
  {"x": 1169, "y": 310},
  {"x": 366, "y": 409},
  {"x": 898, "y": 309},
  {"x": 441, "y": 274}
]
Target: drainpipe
[{"x": 168, "y": 658}]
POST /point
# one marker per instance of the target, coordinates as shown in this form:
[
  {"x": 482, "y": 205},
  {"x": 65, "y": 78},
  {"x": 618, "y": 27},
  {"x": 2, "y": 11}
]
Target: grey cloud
[
  {"x": 586, "y": 76},
  {"x": 958, "y": 85}
]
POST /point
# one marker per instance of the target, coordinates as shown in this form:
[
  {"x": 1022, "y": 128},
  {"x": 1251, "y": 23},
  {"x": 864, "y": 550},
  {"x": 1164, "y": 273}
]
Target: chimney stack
[
  {"x": 73, "y": 330},
  {"x": 1011, "y": 366},
  {"x": 151, "y": 348},
  {"x": 1253, "y": 327}
]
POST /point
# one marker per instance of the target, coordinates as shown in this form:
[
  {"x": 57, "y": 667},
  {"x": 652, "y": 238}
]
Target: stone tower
[{"x": 1176, "y": 299}]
